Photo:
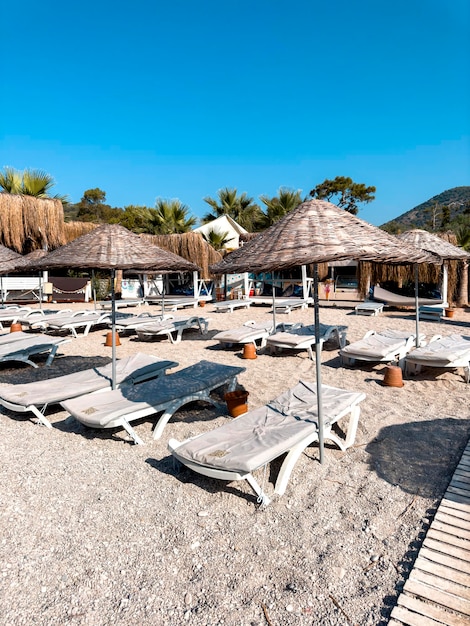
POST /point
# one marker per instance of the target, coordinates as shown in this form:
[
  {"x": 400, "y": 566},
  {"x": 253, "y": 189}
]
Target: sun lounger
[
  {"x": 381, "y": 347},
  {"x": 11, "y": 315},
  {"x": 231, "y": 305},
  {"x": 173, "y": 304},
  {"x": 118, "y": 408},
  {"x": 250, "y": 332},
  {"x": 24, "y": 349},
  {"x": 131, "y": 322},
  {"x": 443, "y": 352},
  {"x": 369, "y": 308},
  {"x": 432, "y": 312},
  {"x": 38, "y": 319},
  {"x": 36, "y": 396},
  {"x": 84, "y": 320},
  {"x": 172, "y": 328},
  {"x": 288, "y": 424},
  {"x": 288, "y": 305},
  {"x": 11, "y": 337},
  {"x": 395, "y": 299},
  {"x": 300, "y": 337},
  {"x": 106, "y": 305}
]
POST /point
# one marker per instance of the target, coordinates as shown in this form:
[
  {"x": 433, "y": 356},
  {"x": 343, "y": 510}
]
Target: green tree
[
  {"x": 217, "y": 239},
  {"x": 240, "y": 208},
  {"x": 445, "y": 217},
  {"x": 344, "y": 193},
  {"x": 169, "y": 217},
  {"x": 138, "y": 219},
  {"x": 29, "y": 183},
  {"x": 92, "y": 208},
  {"x": 279, "y": 205}
]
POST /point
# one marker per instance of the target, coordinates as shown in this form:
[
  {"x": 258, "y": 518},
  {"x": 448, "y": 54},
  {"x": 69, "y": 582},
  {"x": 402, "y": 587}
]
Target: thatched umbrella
[
  {"x": 28, "y": 223},
  {"x": 111, "y": 246},
  {"x": 7, "y": 258},
  {"x": 438, "y": 246},
  {"x": 317, "y": 232}
]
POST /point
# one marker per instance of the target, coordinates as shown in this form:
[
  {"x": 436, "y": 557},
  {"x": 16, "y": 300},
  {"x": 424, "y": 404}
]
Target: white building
[{"x": 224, "y": 224}]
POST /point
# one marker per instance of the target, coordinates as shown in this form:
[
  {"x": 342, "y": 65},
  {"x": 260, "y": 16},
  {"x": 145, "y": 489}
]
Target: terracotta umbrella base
[{"x": 393, "y": 376}]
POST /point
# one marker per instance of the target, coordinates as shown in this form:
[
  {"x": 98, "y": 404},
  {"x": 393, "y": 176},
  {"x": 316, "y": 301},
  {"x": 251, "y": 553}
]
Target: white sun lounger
[
  {"x": 37, "y": 318},
  {"x": 288, "y": 424},
  {"x": 300, "y": 337},
  {"x": 10, "y": 315},
  {"x": 16, "y": 336},
  {"x": 84, "y": 320},
  {"x": 369, "y": 308},
  {"x": 380, "y": 347},
  {"x": 231, "y": 305},
  {"x": 131, "y": 322},
  {"x": 36, "y": 396},
  {"x": 24, "y": 349},
  {"x": 250, "y": 332},
  {"x": 172, "y": 328},
  {"x": 443, "y": 352},
  {"x": 288, "y": 305},
  {"x": 118, "y": 408}
]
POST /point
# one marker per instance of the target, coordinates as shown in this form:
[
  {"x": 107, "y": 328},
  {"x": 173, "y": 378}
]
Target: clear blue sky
[{"x": 178, "y": 99}]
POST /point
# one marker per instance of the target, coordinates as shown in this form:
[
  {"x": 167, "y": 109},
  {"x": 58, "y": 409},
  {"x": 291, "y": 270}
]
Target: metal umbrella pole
[
  {"x": 113, "y": 331},
  {"x": 318, "y": 347},
  {"x": 417, "y": 304}
]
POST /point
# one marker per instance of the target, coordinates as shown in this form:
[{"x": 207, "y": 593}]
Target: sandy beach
[{"x": 99, "y": 531}]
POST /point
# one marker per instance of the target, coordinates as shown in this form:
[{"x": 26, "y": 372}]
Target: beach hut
[{"x": 224, "y": 225}]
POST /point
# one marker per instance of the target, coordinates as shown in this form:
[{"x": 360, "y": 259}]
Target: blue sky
[{"x": 151, "y": 99}]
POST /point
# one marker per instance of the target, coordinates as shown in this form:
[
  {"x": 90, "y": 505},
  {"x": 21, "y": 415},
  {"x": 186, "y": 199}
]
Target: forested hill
[{"x": 456, "y": 199}]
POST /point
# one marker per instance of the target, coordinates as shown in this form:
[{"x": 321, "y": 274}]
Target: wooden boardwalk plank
[
  {"x": 452, "y": 539},
  {"x": 438, "y": 596},
  {"x": 445, "y": 559},
  {"x": 461, "y": 530},
  {"x": 441, "y": 584},
  {"x": 438, "y": 546},
  {"x": 443, "y": 571},
  {"x": 431, "y": 611},
  {"x": 412, "y": 619},
  {"x": 447, "y": 509}
]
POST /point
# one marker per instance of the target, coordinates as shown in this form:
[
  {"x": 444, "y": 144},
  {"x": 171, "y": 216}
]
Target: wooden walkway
[{"x": 437, "y": 591}]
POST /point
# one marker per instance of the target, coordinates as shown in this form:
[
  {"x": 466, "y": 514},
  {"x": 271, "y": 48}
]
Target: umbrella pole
[
  {"x": 318, "y": 347},
  {"x": 417, "y": 304},
  {"x": 113, "y": 330}
]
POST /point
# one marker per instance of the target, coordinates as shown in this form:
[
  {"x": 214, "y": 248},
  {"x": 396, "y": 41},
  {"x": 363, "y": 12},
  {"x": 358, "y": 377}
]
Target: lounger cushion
[
  {"x": 443, "y": 351},
  {"x": 101, "y": 409},
  {"x": 255, "y": 438},
  {"x": 242, "y": 333},
  {"x": 52, "y": 391},
  {"x": 300, "y": 335},
  {"x": 379, "y": 344}
]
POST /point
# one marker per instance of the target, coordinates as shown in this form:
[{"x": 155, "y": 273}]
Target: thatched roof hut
[
  {"x": 28, "y": 223},
  {"x": 191, "y": 246}
]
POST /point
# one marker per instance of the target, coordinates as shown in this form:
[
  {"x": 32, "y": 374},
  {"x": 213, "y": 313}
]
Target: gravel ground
[{"x": 98, "y": 531}]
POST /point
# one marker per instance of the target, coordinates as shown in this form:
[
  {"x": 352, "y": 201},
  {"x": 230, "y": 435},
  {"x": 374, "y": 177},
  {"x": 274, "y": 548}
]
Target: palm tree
[
  {"x": 463, "y": 240},
  {"x": 240, "y": 208},
  {"x": 29, "y": 183},
  {"x": 169, "y": 217},
  {"x": 280, "y": 205},
  {"x": 217, "y": 239}
]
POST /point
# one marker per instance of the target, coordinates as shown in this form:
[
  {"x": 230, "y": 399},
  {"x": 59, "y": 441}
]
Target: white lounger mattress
[
  {"x": 443, "y": 351},
  {"x": 259, "y": 436},
  {"x": 53, "y": 391},
  {"x": 378, "y": 344}
]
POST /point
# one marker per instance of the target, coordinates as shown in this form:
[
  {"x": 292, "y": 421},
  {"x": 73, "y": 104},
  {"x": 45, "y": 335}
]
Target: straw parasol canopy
[
  {"x": 24, "y": 263},
  {"x": 7, "y": 258},
  {"x": 424, "y": 240},
  {"x": 111, "y": 246},
  {"x": 317, "y": 232},
  {"x": 28, "y": 223}
]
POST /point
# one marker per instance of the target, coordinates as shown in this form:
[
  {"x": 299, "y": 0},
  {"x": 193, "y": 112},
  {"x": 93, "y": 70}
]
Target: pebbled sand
[{"x": 98, "y": 531}]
